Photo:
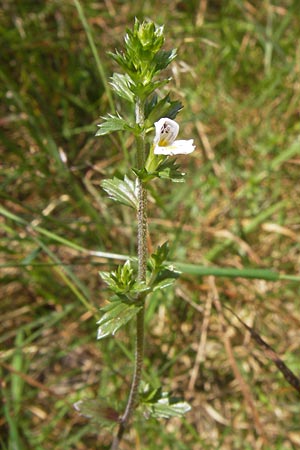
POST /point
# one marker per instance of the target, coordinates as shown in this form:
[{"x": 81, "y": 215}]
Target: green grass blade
[
  {"x": 228, "y": 272},
  {"x": 94, "y": 50}
]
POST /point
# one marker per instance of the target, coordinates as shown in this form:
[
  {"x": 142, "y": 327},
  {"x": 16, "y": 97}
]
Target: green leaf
[
  {"x": 163, "y": 277},
  {"x": 160, "y": 255},
  {"x": 165, "y": 168},
  {"x": 158, "y": 404},
  {"x": 163, "y": 284},
  {"x": 168, "y": 169},
  {"x": 120, "y": 280},
  {"x": 112, "y": 123},
  {"x": 232, "y": 272},
  {"x": 117, "y": 314},
  {"x": 155, "y": 109},
  {"x": 122, "y": 191},
  {"x": 150, "y": 104},
  {"x": 123, "y": 282},
  {"x": 146, "y": 88},
  {"x": 149, "y": 35},
  {"x": 98, "y": 410},
  {"x": 123, "y": 86},
  {"x": 142, "y": 57},
  {"x": 163, "y": 58},
  {"x": 163, "y": 274},
  {"x": 166, "y": 408},
  {"x": 144, "y": 175},
  {"x": 149, "y": 394}
]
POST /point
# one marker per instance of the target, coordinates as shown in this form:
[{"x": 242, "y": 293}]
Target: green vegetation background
[{"x": 238, "y": 76}]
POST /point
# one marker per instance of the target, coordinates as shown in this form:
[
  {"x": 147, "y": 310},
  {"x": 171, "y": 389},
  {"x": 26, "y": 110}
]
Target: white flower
[{"x": 166, "y": 131}]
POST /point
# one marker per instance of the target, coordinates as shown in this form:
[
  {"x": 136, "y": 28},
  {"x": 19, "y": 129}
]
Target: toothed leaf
[
  {"x": 155, "y": 109},
  {"x": 98, "y": 410},
  {"x": 158, "y": 404},
  {"x": 123, "y": 86},
  {"x": 122, "y": 191},
  {"x": 117, "y": 314},
  {"x": 166, "y": 408},
  {"x": 112, "y": 123}
]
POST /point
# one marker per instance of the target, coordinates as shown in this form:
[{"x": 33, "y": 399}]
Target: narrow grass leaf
[
  {"x": 193, "y": 269},
  {"x": 91, "y": 40}
]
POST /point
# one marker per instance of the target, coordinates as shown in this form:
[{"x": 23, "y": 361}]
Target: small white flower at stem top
[{"x": 166, "y": 131}]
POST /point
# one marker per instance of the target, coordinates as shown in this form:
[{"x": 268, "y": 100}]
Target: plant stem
[{"x": 142, "y": 266}]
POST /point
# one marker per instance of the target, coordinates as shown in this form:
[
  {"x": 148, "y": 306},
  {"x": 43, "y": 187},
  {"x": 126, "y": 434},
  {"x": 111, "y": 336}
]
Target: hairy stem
[{"x": 142, "y": 265}]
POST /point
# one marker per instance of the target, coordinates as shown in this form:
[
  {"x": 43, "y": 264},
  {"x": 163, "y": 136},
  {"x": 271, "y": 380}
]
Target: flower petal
[
  {"x": 166, "y": 131},
  {"x": 181, "y": 147}
]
